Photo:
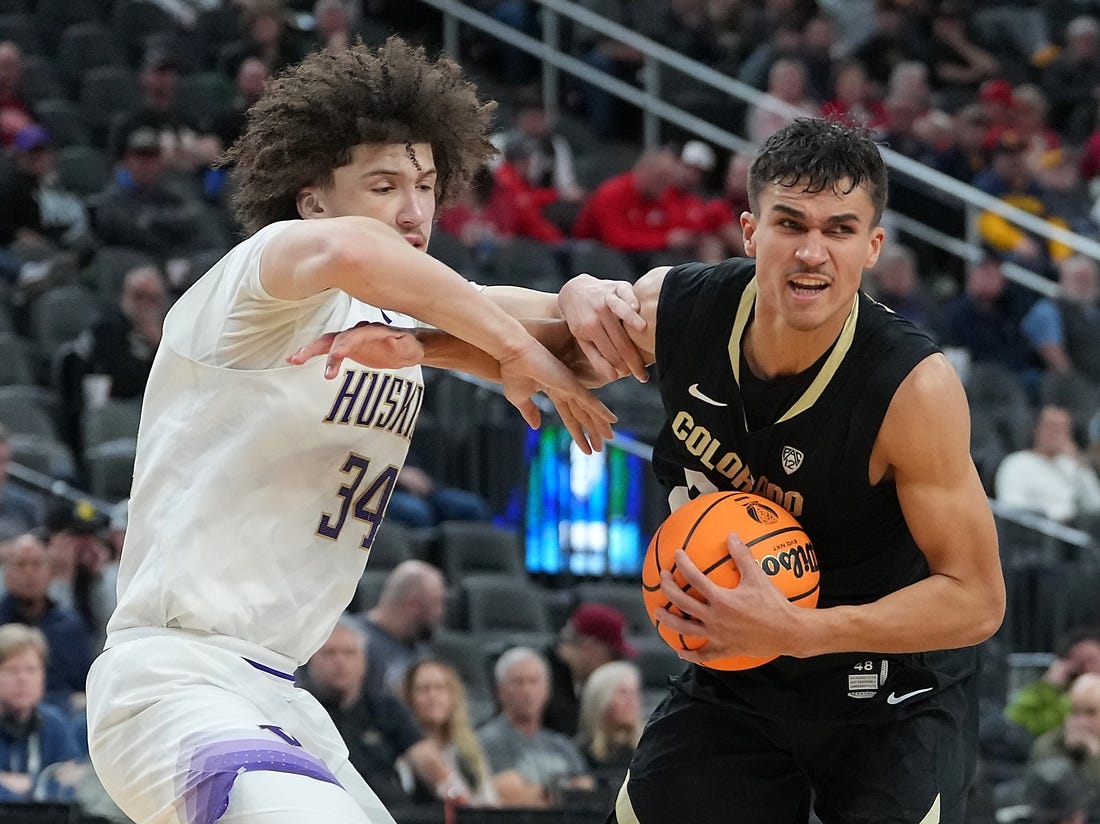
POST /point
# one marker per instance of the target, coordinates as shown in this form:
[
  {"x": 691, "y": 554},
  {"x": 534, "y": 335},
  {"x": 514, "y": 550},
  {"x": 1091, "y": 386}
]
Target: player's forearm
[
  {"x": 937, "y": 613},
  {"x": 445, "y": 351},
  {"x": 371, "y": 262},
  {"x": 524, "y": 303}
]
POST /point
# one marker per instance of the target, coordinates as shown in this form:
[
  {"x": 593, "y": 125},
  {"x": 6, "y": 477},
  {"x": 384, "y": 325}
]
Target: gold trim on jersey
[
  {"x": 828, "y": 370},
  {"x": 624, "y": 810}
]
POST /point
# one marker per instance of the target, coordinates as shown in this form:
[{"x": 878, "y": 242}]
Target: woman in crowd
[
  {"x": 611, "y": 716},
  {"x": 434, "y": 693}
]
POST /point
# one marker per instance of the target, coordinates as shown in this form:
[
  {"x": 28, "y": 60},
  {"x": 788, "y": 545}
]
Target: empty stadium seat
[{"x": 477, "y": 548}]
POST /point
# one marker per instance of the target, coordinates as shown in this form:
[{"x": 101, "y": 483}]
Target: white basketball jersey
[{"x": 258, "y": 485}]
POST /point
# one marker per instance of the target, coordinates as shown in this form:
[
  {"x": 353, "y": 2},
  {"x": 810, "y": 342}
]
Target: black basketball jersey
[{"x": 813, "y": 457}]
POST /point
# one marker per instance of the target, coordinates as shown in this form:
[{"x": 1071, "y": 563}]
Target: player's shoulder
[
  {"x": 708, "y": 278},
  {"x": 882, "y": 332}
]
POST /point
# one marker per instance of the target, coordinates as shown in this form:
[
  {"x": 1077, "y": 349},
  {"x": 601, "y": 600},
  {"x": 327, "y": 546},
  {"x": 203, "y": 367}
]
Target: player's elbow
[{"x": 990, "y": 614}]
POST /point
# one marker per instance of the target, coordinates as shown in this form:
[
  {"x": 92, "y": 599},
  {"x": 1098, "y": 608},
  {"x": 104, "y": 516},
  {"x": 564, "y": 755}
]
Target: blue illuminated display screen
[{"x": 583, "y": 513}]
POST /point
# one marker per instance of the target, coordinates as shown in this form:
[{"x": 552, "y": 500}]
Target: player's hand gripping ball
[{"x": 700, "y": 527}]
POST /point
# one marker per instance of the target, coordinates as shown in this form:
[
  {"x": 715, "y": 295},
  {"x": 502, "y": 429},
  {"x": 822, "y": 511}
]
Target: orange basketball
[{"x": 700, "y": 527}]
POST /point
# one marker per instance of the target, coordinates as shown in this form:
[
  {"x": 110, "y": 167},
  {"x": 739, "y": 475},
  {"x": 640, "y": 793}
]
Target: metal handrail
[{"x": 649, "y": 100}]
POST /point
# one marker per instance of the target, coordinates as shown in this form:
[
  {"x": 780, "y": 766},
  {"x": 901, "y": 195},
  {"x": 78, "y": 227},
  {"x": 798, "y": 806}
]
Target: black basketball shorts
[{"x": 712, "y": 762}]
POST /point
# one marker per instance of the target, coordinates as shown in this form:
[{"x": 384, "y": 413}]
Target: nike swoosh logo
[
  {"x": 693, "y": 390},
  {"x": 897, "y": 699}
]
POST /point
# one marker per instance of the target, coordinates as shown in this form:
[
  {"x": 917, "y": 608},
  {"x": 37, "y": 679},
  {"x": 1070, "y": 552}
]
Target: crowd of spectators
[{"x": 111, "y": 192}]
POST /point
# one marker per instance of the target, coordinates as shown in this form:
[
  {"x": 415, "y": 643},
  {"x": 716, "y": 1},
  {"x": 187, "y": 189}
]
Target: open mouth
[{"x": 805, "y": 286}]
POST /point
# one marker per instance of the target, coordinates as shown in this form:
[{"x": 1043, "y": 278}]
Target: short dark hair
[
  {"x": 819, "y": 154},
  {"x": 314, "y": 114}
]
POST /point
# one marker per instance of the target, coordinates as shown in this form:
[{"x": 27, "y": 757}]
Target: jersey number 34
[{"x": 363, "y": 498}]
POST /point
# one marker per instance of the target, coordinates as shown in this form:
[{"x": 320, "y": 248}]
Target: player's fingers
[
  {"x": 599, "y": 363},
  {"x": 741, "y": 554},
  {"x": 617, "y": 347},
  {"x": 311, "y": 350},
  {"x": 694, "y": 576},
  {"x": 332, "y": 365},
  {"x": 527, "y": 409},
  {"x": 606, "y": 349},
  {"x": 625, "y": 304},
  {"x": 681, "y": 625},
  {"x": 686, "y": 599},
  {"x": 696, "y": 656},
  {"x": 585, "y": 441}
]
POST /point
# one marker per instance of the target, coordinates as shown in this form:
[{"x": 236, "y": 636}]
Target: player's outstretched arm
[
  {"x": 388, "y": 347},
  {"x": 370, "y": 261},
  {"x": 599, "y": 307},
  {"x": 923, "y": 446}
]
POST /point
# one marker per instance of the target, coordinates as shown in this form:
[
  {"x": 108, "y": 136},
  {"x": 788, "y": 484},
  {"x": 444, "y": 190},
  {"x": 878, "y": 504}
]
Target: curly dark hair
[
  {"x": 820, "y": 154},
  {"x": 314, "y": 114}
]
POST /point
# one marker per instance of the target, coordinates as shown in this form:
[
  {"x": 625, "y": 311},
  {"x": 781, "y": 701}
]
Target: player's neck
[{"x": 773, "y": 348}]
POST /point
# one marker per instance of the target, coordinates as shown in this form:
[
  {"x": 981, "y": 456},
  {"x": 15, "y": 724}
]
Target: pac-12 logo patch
[
  {"x": 761, "y": 513},
  {"x": 791, "y": 459}
]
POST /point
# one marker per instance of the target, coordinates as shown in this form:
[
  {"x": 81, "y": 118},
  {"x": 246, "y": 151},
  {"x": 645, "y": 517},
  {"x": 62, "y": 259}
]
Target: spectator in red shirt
[
  {"x": 635, "y": 212},
  {"x": 514, "y": 182},
  {"x": 493, "y": 209},
  {"x": 717, "y": 229}
]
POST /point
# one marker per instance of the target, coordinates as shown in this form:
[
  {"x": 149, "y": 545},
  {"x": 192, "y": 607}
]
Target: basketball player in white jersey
[{"x": 260, "y": 484}]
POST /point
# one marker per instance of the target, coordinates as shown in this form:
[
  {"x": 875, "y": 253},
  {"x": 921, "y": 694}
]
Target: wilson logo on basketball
[
  {"x": 760, "y": 513},
  {"x": 799, "y": 561}
]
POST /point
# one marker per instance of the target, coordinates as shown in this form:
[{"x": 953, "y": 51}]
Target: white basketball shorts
[{"x": 174, "y": 720}]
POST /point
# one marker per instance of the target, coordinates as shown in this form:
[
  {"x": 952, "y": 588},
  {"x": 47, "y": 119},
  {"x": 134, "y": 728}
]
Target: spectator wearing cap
[
  {"x": 715, "y": 225},
  {"x": 187, "y": 145},
  {"x": 997, "y": 99},
  {"x": 40, "y": 217},
  {"x": 83, "y": 575},
  {"x": 593, "y": 635},
  {"x": 27, "y": 601},
  {"x": 143, "y": 209}
]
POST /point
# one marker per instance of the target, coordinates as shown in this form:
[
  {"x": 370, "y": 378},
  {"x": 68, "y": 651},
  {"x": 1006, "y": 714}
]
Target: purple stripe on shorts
[
  {"x": 269, "y": 670},
  {"x": 215, "y": 766}
]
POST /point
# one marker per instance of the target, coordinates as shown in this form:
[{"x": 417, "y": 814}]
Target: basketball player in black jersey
[{"x": 780, "y": 377}]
